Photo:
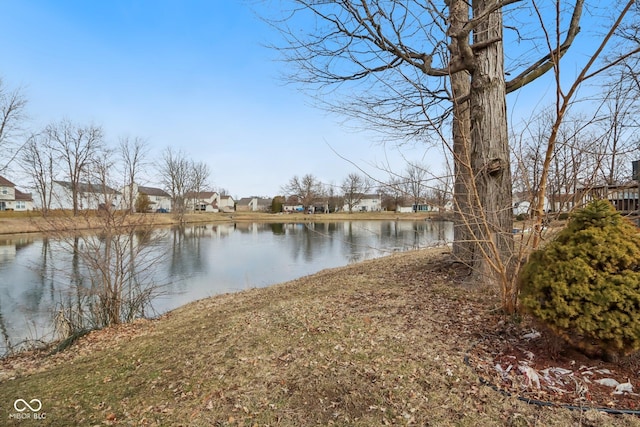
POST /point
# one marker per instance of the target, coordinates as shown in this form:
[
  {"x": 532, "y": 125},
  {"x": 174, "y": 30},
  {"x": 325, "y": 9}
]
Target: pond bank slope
[{"x": 375, "y": 343}]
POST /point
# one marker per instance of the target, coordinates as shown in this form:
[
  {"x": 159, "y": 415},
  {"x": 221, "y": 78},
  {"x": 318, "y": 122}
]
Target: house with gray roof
[
  {"x": 253, "y": 204},
  {"x": 12, "y": 199},
  {"x": 90, "y": 196},
  {"x": 159, "y": 200},
  {"x": 202, "y": 201}
]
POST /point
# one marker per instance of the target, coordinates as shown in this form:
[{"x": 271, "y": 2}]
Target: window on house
[
  {"x": 5, "y": 190},
  {"x": 20, "y": 204}
]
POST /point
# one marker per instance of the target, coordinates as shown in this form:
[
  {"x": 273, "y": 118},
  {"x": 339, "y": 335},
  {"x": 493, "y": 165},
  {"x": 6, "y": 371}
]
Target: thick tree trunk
[
  {"x": 463, "y": 242},
  {"x": 489, "y": 153}
]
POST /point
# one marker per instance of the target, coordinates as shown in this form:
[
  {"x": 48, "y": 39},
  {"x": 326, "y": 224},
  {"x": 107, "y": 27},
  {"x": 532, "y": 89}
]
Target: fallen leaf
[
  {"x": 624, "y": 388},
  {"x": 609, "y": 382}
]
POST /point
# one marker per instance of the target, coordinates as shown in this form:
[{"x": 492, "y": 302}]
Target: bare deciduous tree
[
  {"x": 354, "y": 187},
  {"x": 12, "y": 114},
  {"x": 114, "y": 270},
  {"x": 441, "y": 192},
  {"x": 596, "y": 65},
  {"x": 200, "y": 175},
  {"x": 176, "y": 176},
  {"x": 415, "y": 184},
  {"x": 133, "y": 154},
  {"x": 38, "y": 162},
  {"x": 400, "y": 60},
  {"x": 393, "y": 195},
  {"x": 307, "y": 189},
  {"x": 621, "y": 127},
  {"x": 76, "y": 148}
]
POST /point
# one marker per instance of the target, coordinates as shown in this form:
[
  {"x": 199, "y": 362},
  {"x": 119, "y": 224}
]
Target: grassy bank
[{"x": 376, "y": 343}]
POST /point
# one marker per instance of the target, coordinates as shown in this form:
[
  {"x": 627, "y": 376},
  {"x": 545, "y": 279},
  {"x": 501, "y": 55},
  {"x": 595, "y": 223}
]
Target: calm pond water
[{"x": 196, "y": 261}]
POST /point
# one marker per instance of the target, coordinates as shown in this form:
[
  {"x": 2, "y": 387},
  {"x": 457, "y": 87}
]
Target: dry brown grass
[{"x": 377, "y": 343}]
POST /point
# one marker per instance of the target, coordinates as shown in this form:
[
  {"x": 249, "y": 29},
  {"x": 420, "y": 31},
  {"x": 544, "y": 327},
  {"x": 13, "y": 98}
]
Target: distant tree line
[{"x": 414, "y": 186}]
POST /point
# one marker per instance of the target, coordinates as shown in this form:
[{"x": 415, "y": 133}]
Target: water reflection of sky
[{"x": 200, "y": 261}]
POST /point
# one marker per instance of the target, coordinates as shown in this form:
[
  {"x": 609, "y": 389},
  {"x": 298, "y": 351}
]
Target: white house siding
[
  {"x": 205, "y": 201},
  {"x": 523, "y": 207},
  {"x": 226, "y": 204},
  {"x": 368, "y": 203},
  {"x": 159, "y": 198},
  {"x": 160, "y": 202},
  {"x": 7, "y": 197},
  {"x": 13, "y": 199},
  {"x": 88, "y": 198},
  {"x": 253, "y": 204},
  {"x": 23, "y": 202}
]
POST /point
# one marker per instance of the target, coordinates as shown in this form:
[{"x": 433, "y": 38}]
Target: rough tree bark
[
  {"x": 489, "y": 154},
  {"x": 463, "y": 245}
]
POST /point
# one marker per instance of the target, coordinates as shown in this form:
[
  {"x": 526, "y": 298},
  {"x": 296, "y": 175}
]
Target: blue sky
[{"x": 193, "y": 75}]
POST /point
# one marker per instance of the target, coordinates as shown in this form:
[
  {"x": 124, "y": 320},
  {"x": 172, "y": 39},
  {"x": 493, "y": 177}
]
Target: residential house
[
  {"x": 419, "y": 207},
  {"x": 12, "y": 199},
  {"x": 293, "y": 208},
  {"x": 203, "y": 201},
  {"x": 623, "y": 196},
  {"x": 23, "y": 202},
  {"x": 522, "y": 203},
  {"x": 367, "y": 203},
  {"x": 159, "y": 200},
  {"x": 90, "y": 196},
  {"x": 253, "y": 204},
  {"x": 564, "y": 202},
  {"x": 226, "y": 203}
]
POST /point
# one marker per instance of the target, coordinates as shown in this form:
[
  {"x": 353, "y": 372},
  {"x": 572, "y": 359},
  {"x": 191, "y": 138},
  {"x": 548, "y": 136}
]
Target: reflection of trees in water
[
  {"x": 34, "y": 295},
  {"x": 112, "y": 278},
  {"x": 46, "y": 269},
  {"x": 306, "y": 239},
  {"x": 355, "y": 240},
  {"x": 352, "y": 244},
  {"x": 373, "y": 238},
  {"x": 303, "y": 243},
  {"x": 420, "y": 234},
  {"x": 277, "y": 228},
  {"x": 6, "y": 340},
  {"x": 186, "y": 250},
  {"x": 31, "y": 298}
]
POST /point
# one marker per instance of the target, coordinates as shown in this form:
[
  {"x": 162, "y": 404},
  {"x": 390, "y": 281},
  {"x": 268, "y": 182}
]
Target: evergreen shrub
[{"x": 585, "y": 285}]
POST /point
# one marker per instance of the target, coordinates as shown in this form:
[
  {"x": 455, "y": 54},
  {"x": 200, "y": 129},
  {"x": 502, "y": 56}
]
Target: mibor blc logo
[{"x": 27, "y": 410}]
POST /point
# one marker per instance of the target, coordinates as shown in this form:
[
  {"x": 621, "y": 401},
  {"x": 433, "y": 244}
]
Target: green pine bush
[{"x": 585, "y": 285}]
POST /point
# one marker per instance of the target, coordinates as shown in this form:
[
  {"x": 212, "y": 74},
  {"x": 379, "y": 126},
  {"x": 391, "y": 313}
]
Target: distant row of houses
[
  {"x": 92, "y": 197},
  {"x": 624, "y": 197},
  {"x": 365, "y": 203}
]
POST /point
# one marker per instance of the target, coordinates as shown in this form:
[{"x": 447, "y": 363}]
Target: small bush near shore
[{"x": 585, "y": 285}]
